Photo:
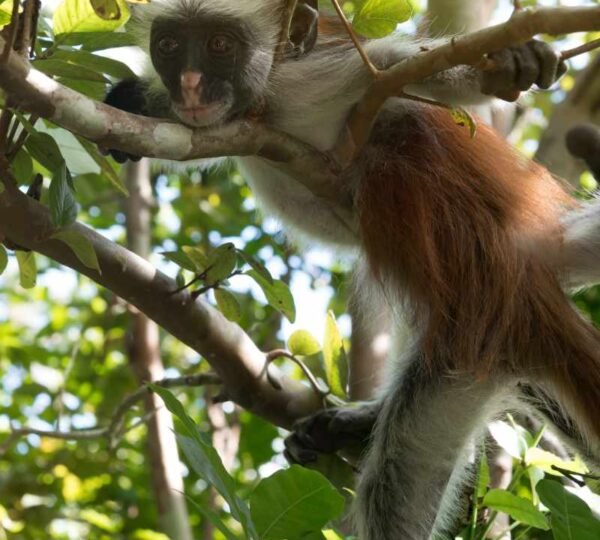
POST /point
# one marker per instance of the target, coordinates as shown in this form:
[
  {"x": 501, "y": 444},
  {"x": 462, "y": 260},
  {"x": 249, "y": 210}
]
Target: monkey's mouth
[{"x": 202, "y": 115}]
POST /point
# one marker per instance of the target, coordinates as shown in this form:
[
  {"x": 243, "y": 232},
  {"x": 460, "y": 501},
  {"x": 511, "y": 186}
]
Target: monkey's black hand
[
  {"x": 517, "y": 69},
  {"x": 329, "y": 431},
  {"x": 130, "y": 96}
]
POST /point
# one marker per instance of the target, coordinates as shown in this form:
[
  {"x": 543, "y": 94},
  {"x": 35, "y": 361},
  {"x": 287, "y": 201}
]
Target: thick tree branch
[{"x": 231, "y": 353}]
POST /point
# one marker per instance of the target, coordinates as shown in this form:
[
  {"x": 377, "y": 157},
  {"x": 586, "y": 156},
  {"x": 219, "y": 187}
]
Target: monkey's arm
[
  {"x": 514, "y": 70},
  {"x": 131, "y": 95}
]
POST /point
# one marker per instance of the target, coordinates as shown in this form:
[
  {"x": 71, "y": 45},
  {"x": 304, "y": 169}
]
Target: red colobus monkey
[{"x": 471, "y": 239}]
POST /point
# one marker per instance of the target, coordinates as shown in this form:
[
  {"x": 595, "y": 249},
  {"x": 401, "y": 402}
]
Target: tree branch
[
  {"x": 231, "y": 353},
  {"x": 469, "y": 49}
]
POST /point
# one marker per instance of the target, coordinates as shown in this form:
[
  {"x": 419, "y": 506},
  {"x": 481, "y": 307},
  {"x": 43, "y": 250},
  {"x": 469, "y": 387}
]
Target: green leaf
[
  {"x": 81, "y": 246},
  {"x": 228, "y": 305},
  {"x": 181, "y": 259},
  {"x": 109, "y": 173},
  {"x": 3, "y": 259},
  {"x": 293, "y": 503},
  {"x": 5, "y": 13},
  {"x": 518, "y": 508},
  {"x": 27, "y": 268},
  {"x": 303, "y": 343},
  {"x": 278, "y": 295},
  {"x": 334, "y": 358},
  {"x": 80, "y": 16},
  {"x": 221, "y": 263},
  {"x": 197, "y": 256},
  {"x": 60, "y": 68},
  {"x": 483, "y": 478},
  {"x": 44, "y": 150},
  {"x": 94, "y": 62},
  {"x": 211, "y": 516},
  {"x": 256, "y": 265},
  {"x": 22, "y": 167},
  {"x": 570, "y": 517},
  {"x": 98, "y": 41},
  {"x": 63, "y": 208},
  {"x": 205, "y": 460},
  {"x": 378, "y": 18}
]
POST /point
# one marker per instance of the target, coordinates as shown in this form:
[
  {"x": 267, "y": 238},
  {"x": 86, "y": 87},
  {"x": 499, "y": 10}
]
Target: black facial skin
[{"x": 218, "y": 48}]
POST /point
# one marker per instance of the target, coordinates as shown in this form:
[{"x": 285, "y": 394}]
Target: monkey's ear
[{"x": 304, "y": 27}]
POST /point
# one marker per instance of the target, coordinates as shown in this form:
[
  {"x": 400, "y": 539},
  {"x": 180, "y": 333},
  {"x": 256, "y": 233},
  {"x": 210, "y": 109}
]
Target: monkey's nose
[
  {"x": 191, "y": 80},
  {"x": 191, "y": 88}
]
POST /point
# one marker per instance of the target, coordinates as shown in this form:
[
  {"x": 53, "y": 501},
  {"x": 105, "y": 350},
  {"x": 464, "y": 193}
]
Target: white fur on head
[{"x": 263, "y": 16}]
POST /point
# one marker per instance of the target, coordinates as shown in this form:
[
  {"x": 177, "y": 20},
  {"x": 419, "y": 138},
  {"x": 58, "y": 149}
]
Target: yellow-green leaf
[
  {"x": 3, "y": 259},
  {"x": 334, "y": 358},
  {"x": 27, "y": 269},
  {"x": 378, "y": 18},
  {"x": 463, "y": 118},
  {"x": 303, "y": 343},
  {"x": 82, "y": 16},
  {"x": 518, "y": 508},
  {"x": 81, "y": 246}
]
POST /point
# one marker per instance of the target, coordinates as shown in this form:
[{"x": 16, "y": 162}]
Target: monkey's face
[{"x": 210, "y": 66}]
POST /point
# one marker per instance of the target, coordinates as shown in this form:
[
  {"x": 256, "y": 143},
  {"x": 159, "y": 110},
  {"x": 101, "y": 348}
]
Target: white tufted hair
[{"x": 263, "y": 16}]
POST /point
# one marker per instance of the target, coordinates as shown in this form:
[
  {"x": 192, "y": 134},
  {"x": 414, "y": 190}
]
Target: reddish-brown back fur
[{"x": 452, "y": 221}]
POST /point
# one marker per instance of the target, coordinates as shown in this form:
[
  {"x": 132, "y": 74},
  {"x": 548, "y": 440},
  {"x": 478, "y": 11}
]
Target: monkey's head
[{"x": 213, "y": 58}]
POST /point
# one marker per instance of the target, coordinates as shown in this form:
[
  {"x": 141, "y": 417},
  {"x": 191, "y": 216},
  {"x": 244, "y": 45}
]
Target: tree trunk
[{"x": 144, "y": 356}]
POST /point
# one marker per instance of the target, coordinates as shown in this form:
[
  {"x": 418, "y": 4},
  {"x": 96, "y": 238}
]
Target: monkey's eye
[
  {"x": 168, "y": 45},
  {"x": 220, "y": 44}
]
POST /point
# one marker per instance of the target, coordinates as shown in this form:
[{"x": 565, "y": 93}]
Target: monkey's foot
[{"x": 330, "y": 431}]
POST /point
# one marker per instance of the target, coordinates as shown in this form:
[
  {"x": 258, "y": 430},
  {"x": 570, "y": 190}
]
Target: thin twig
[
  {"x": 363, "y": 54},
  {"x": 286, "y": 27},
  {"x": 586, "y": 47},
  {"x": 29, "y": 27},
  {"x": 282, "y": 353},
  {"x": 5, "y": 119},
  {"x": 12, "y": 33},
  {"x": 115, "y": 427}
]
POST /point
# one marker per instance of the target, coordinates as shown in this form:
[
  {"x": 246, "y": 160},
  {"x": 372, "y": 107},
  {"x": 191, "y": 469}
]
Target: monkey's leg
[
  {"x": 563, "y": 425},
  {"x": 415, "y": 467}
]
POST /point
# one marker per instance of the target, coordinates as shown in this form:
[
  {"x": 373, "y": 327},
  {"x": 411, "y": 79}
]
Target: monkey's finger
[
  {"x": 528, "y": 68},
  {"x": 550, "y": 64},
  {"x": 296, "y": 452}
]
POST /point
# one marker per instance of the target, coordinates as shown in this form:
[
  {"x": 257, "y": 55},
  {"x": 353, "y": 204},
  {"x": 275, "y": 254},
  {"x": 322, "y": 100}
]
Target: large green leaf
[
  {"x": 293, "y": 503},
  {"x": 518, "y": 508},
  {"x": 378, "y": 18},
  {"x": 221, "y": 263},
  {"x": 206, "y": 461},
  {"x": 80, "y": 16},
  {"x": 570, "y": 517}
]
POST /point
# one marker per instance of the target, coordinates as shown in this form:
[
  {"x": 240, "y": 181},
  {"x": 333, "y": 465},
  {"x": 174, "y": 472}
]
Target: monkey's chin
[{"x": 202, "y": 115}]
